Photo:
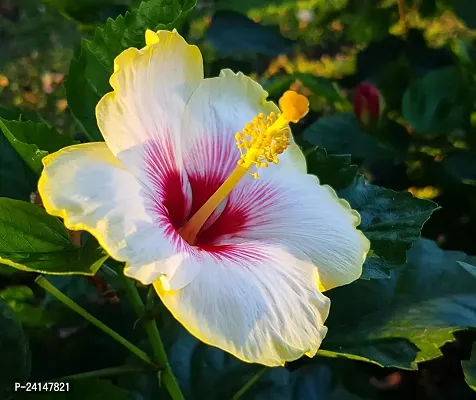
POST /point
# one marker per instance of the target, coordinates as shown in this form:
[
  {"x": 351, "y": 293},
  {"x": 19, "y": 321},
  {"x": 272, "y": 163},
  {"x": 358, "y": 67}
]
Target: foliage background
[{"x": 406, "y": 332}]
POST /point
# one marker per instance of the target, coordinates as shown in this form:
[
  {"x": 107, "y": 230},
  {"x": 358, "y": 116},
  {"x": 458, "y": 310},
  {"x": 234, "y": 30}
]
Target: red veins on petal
[{"x": 173, "y": 204}]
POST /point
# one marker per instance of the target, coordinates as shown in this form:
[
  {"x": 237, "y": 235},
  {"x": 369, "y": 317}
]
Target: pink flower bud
[{"x": 367, "y": 103}]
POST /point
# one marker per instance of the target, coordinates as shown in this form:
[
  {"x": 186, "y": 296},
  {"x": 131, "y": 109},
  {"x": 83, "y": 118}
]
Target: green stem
[
  {"x": 45, "y": 284},
  {"x": 101, "y": 373},
  {"x": 160, "y": 356},
  {"x": 250, "y": 383}
]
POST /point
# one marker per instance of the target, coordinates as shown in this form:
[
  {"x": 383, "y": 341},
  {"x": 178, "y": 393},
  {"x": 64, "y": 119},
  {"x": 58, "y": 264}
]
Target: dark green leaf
[
  {"x": 32, "y": 141},
  {"x": 208, "y": 372},
  {"x": 23, "y": 303},
  {"x": 391, "y": 220},
  {"x": 322, "y": 87},
  {"x": 5, "y": 270},
  {"x": 381, "y": 55},
  {"x": 438, "y": 103},
  {"x": 243, "y": 6},
  {"x": 90, "y": 11},
  {"x": 422, "y": 56},
  {"x": 17, "y": 181},
  {"x": 342, "y": 134},
  {"x": 276, "y": 86},
  {"x": 422, "y": 305},
  {"x": 90, "y": 389},
  {"x": 14, "y": 350},
  {"x": 73, "y": 286},
  {"x": 89, "y": 74},
  {"x": 34, "y": 241},
  {"x": 73, "y": 334},
  {"x": 392, "y": 64},
  {"x": 334, "y": 170},
  {"x": 232, "y": 33},
  {"x": 18, "y": 113},
  {"x": 469, "y": 369},
  {"x": 380, "y": 52},
  {"x": 369, "y": 24},
  {"x": 315, "y": 380},
  {"x": 202, "y": 371}
]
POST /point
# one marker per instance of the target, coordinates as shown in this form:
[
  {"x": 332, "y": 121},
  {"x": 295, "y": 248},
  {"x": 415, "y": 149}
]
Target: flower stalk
[
  {"x": 45, "y": 284},
  {"x": 250, "y": 383},
  {"x": 104, "y": 373},
  {"x": 165, "y": 375}
]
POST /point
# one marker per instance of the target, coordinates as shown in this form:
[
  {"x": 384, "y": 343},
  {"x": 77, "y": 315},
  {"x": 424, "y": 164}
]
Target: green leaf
[
  {"x": 232, "y": 33},
  {"x": 89, "y": 74},
  {"x": 201, "y": 370},
  {"x": 91, "y": 389},
  {"x": 469, "y": 369},
  {"x": 244, "y": 6},
  {"x": 32, "y": 141},
  {"x": 12, "y": 113},
  {"x": 276, "y": 86},
  {"x": 423, "y": 304},
  {"x": 369, "y": 24},
  {"x": 323, "y": 87},
  {"x": 78, "y": 335},
  {"x": 438, "y": 103},
  {"x": 393, "y": 63},
  {"x": 17, "y": 181},
  {"x": 34, "y": 241},
  {"x": 315, "y": 380},
  {"x": 89, "y": 11},
  {"x": 14, "y": 350},
  {"x": 391, "y": 220},
  {"x": 334, "y": 170},
  {"x": 342, "y": 134},
  {"x": 23, "y": 303},
  {"x": 207, "y": 372},
  {"x": 75, "y": 287}
]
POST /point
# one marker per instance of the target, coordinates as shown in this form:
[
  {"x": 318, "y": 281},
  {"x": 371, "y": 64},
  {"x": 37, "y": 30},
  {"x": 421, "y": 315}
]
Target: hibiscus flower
[{"x": 201, "y": 190}]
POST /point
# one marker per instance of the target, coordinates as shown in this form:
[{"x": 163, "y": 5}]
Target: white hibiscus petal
[
  {"x": 151, "y": 87},
  {"x": 255, "y": 300},
  {"x": 141, "y": 119},
  {"x": 88, "y": 187},
  {"x": 293, "y": 209},
  {"x": 218, "y": 109}
]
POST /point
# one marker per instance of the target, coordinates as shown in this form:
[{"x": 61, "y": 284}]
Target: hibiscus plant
[{"x": 208, "y": 235}]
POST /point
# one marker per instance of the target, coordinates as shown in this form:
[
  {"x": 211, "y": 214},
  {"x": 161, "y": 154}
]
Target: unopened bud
[{"x": 367, "y": 104}]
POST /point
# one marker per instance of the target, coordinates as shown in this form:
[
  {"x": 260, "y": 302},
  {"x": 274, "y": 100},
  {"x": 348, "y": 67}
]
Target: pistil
[{"x": 260, "y": 143}]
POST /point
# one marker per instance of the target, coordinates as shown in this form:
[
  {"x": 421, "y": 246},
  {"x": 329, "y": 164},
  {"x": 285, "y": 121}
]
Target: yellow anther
[
  {"x": 266, "y": 137},
  {"x": 294, "y": 106},
  {"x": 260, "y": 143}
]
